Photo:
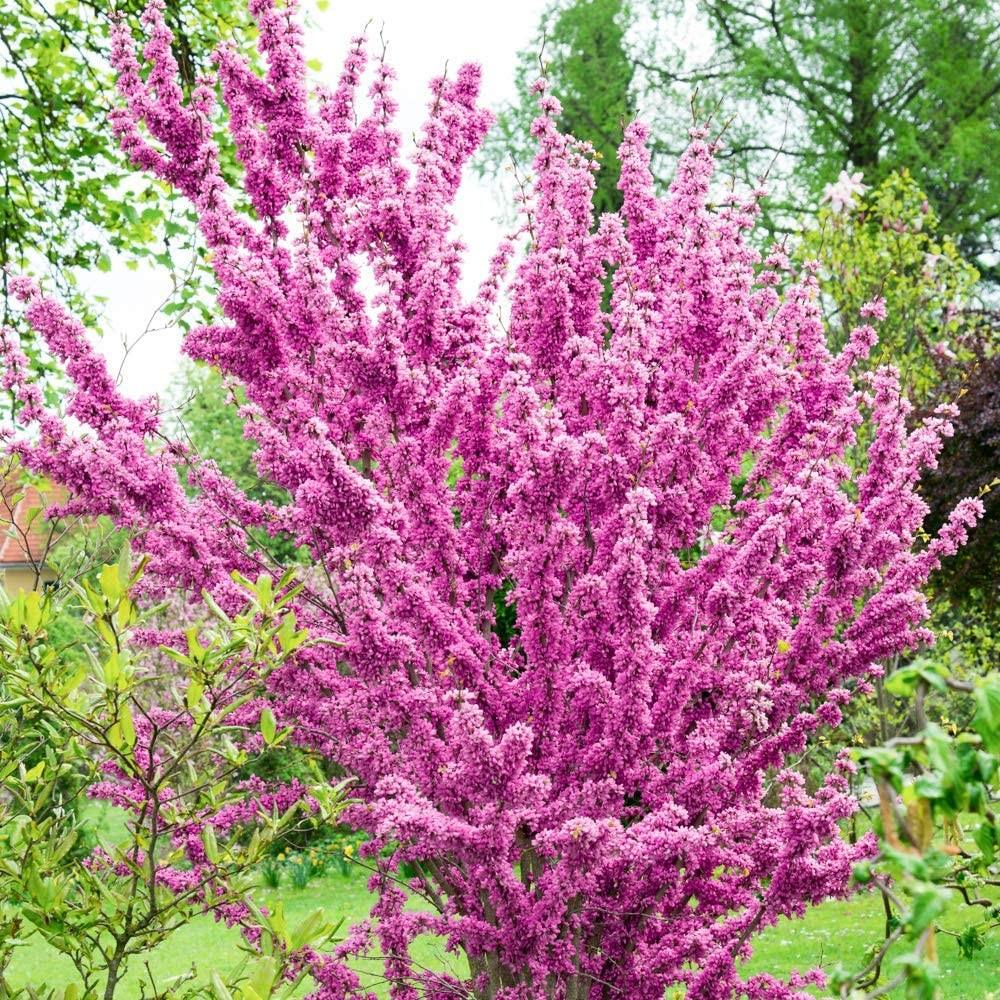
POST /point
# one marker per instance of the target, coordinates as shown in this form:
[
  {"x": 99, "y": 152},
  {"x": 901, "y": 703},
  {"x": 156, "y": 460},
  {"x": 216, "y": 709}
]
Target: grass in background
[
  {"x": 828, "y": 935},
  {"x": 836, "y": 932}
]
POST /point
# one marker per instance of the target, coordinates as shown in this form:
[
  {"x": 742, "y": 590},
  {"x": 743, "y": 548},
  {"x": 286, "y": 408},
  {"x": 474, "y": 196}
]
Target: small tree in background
[
  {"x": 569, "y": 709},
  {"x": 165, "y": 752},
  {"x": 968, "y": 583},
  {"x": 886, "y": 242},
  {"x": 581, "y": 50}
]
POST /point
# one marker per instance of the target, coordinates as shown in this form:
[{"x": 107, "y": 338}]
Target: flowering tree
[
  {"x": 568, "y": 711},
  {"x": 888, "y": 242}
]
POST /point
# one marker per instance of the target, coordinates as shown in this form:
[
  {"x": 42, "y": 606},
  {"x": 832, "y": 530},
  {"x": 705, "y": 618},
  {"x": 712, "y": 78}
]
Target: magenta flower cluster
[{"x": 597, "y": 800}]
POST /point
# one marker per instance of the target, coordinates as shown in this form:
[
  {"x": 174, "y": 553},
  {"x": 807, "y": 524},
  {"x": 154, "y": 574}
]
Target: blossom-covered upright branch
[{"x": 566, "y": 702}]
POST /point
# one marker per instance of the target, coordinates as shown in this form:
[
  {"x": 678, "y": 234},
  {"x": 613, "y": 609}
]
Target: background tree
[
  {"x": 870, "y": 87},
  {"x": 580, "y": 48},
  {"x": 886, "y": 241},
  {"x": 850, "y": 85},
  {"x": 66, "y": 199},
  {"x": 816, "y": 88}
]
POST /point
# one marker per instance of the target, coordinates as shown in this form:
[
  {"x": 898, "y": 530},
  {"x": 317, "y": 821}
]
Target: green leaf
[
  {"x": 114, "y": 736},
  {"x": 970, "y": 941},
  {"x": 277, "y": 922},
  {"x": 927, "y": 906},
  {"x": 32, "y": 611},
  {"x": 903, "y": 682},
  {"x": 212, "y": 606},
  {"x": 268, "y": 727},
  {"x": 125, "y": 561},
  {"x": 177, "y": 656},
  {"x": 73, "y": 683},
  {"x": 219, "y": 988},
  {"x": 928, "y": 786},
  {"x": 126, "y": 724},
  {"x": 34, "y": 773},
  {"x": 986, "y": 721},
  {"x": 265, "y": 590},
  {"x": 110, "y": 580},
  {"x": 986, "y": 840},
  {"x": 192, "y": 696},
  {"x": 262, "y": 978},
  {"x": 308, "y": 930},
  {"x": 195, "y": 649},
  {"x": 112, "y": 669},
  {"x": 211, "y": 846}
]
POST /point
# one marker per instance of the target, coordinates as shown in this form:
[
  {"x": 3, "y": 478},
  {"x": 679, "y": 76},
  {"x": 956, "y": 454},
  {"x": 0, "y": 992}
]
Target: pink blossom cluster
[
  {"x": 188, "y": 872},
  {"x": 598, "y": 801},
  {"x": 843, "y": 192}
]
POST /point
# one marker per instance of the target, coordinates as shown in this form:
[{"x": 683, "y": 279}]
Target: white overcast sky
[{"x": 422, "y": 37}]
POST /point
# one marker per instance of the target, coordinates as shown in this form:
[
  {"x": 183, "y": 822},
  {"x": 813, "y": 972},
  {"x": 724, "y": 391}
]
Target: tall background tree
[
  {"x": 581, "y": 47},
  {"x": 67, "y": 205},
  {"x": 813, "y": 88},
  {"x": 848, "y": 84}
]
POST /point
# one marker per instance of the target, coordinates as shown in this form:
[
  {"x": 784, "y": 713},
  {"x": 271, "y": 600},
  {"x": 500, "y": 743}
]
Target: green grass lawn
[
  {"x": 839, "y": 932},
  {"x": 829, "y": 934},
  {"x": 210, "y": 946}
]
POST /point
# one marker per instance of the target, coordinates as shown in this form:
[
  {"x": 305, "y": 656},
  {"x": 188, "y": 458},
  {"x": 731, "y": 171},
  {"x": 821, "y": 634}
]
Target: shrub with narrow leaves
[
  {"x": 187, "y": 833},
  {"x": 571, "y": 661}
]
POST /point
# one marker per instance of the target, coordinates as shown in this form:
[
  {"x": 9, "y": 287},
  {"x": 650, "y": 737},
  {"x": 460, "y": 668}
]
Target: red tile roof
[{"x": 25, "y": 533}]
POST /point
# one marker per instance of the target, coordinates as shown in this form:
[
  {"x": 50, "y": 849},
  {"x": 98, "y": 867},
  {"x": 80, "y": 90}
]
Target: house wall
[{"x": 23, "y": 578}]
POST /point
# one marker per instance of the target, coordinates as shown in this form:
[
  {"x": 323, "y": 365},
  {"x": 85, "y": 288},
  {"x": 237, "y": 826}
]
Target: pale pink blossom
[{"x": 843, "y": 193}]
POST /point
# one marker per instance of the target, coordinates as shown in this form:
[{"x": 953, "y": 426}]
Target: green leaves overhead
[{"x": 70, "y": 201}]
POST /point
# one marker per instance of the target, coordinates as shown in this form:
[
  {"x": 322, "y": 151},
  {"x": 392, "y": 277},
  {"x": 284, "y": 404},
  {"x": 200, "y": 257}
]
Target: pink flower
[
  {"x": 875, "y": 308},
  {"x": 843, "y": 192}
]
